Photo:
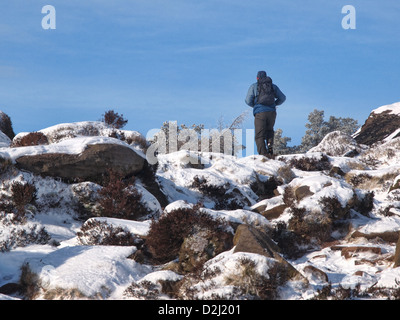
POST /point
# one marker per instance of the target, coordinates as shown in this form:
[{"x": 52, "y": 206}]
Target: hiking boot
[
  {"x": 271, "y": 152},
  {"x": 269, "y": 156}
]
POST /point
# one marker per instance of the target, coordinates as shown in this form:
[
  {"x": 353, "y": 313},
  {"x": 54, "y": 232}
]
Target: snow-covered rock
[
  {"x": 338, "y": 144},
  {"x": 94, "y": 271},
  {"x": 361, "y": 253},
  {"x": 78, "y": 158},
  {"x": 382, "y": 123},
  {"x": 4, "y": 140}
]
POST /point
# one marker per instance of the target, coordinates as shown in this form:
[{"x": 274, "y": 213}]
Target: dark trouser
[{"x": 264, "y": 130}]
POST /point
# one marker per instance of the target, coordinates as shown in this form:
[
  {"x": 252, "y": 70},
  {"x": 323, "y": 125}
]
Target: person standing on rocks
[{"x": 263, "y": 96}]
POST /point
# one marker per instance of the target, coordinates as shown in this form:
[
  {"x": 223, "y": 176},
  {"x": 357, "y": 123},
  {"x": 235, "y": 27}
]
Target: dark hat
[{"x": 261, "y": 74}]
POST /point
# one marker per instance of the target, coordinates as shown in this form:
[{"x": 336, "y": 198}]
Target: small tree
[
  {"x": 345, "y": 125},
  {"x": 280, "y": 143},
  {"x": 318, "y": 128},
  {"x": 119, "y": 198}
]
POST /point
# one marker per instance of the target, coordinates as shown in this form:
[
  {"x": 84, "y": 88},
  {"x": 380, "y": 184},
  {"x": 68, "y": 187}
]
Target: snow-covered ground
[{"x": 67, "y": 269}]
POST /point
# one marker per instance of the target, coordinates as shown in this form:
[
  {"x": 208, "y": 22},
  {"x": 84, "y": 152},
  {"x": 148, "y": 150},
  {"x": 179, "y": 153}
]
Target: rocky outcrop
[
  {"x": 302, "y": 192},
  {"x": 315, "y": 274},
  {"x": 274, "y": 212},
  {"x": 249, "y": 239},
  {"x": 6, "y": 125},
  {"x": 338, "y": 144},
  {"x": 200, "y": 246},
  {"x": 381, "y": 123},
  {"x": 89, "y": 165}
]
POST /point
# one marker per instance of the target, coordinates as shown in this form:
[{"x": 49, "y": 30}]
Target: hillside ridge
[{"x": 319, "y": 225}]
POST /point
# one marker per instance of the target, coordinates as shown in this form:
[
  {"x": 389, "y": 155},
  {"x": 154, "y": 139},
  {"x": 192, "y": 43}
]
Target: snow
[
  {"x": 228, "y": 271},
  {"x": 162, "y": 275},
  {"x": 177, "y": 178},
  {"x": 238, "y": 216},
  {"x": 68, "y": 138},
  {"x": 392, "y": 135},
  {"x": 4, "y": 140},
  {"x": 92, "y": 270},
  {"x": 324, "y": 186},
  {"x": 105, "y": 272},
  {"x": 382, "y": 225},
  {"x": 390, "y": 108},
  {"x": 140, "y": 228},
  {"x": 69, "y": 146}
]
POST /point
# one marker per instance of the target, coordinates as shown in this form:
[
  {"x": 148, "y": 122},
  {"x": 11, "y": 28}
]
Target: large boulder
[
  {"x": 88, "y": 165},
  {"x": 249, "y": 239},
  {"x": 382, "y": 123},
  {"x": 6, "y": 125},
  {"x": 202, "y": 245}
]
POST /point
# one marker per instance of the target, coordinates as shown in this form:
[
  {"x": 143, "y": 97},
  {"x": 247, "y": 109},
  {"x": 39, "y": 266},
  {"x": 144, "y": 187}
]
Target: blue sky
[{"x": 192, "y": 61}]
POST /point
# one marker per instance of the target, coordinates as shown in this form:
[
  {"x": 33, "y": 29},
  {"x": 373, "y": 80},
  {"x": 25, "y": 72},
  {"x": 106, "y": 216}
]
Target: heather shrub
[
  {"x": 246, "y": 280},
  {"x": 166, "y": 235},
  {"x": 250, "y": 284},
  {"x": 370, "y": 161},
  {"x": 95, "y": 232},
  {"x": 31, "y": 139},
  {"x": 29, "y": 282},
  {"x": 20, "y": 233},
  {"x": 136, "y": 140},
  {"x": 365, "y": 204},
  {"x": 310, "y": 226},
  {"x": 311, "y": 164},
  {"x": 120, "y": 199},
  {"x": 358, "y": 179},
  {"x": 208, "y": 189},
  {"x": 224, "y": 196},
  {"x": 22, "y": 195},
  {"x": 72, "y": 130},
  {"x": 86, "y": 199},
  {"x": 68, "y": 294},
  {"x": 288, "y": 241},
  {"x": 333, "y": 208},
  {"x": 114, "y": 119},
  {"x": 143, "y": 290}
]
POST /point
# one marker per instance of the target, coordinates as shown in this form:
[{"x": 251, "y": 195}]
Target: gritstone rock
[{"x": 88, "y": 165}]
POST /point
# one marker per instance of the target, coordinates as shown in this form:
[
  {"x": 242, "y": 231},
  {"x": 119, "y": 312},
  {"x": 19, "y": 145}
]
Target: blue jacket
[{"x": 251, "y": 99}]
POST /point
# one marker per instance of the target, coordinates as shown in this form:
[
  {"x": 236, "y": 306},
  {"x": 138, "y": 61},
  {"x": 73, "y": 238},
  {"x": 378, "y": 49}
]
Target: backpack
[{"x": 265, "y": 90}]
